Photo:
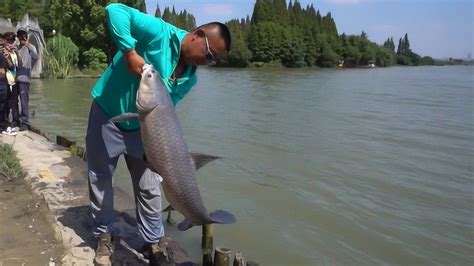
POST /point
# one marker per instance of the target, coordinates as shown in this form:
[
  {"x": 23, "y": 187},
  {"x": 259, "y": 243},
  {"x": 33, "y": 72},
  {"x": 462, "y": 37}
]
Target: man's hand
[
  {"x": 5, "y": 52},
  {"x": 134, "y": 62}
]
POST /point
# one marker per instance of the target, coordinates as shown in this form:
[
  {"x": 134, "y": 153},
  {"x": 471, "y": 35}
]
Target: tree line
[
  {"x": 293, "y": 36},
  {"x": 277, "y": 33}
]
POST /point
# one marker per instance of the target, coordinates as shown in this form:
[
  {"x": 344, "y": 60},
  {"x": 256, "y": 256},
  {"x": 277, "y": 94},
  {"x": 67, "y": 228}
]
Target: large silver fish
[{"x": 167, "y": 152}]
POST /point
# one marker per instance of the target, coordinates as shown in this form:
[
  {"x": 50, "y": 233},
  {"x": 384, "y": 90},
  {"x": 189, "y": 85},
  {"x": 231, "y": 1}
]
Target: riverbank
[
  {"x": 24, "y": 219},
  {"x": 59, "y": 200}
]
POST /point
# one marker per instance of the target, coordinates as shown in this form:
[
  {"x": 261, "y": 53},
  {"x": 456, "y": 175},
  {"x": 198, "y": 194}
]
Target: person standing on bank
[
  {"x": 175, "y": 54},
  {"x": 5, "y": 65},
  {"x": 13, "y": 93},
  {"x": 28, "y": 55}
]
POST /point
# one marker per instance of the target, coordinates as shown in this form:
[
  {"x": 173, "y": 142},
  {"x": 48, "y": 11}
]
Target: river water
[{"x": 356, "y": 166}]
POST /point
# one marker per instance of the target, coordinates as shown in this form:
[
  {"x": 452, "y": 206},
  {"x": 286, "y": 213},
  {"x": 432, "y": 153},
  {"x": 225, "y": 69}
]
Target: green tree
[
  {"x": 281, "y": 13},
  {"x": 427, "y": 61},
  {"x": 95, "y": 59},
  {"x": 389, "y": 44},
  {"x": 239, "y": 54},
  {"x": 263, "y": 11},
  {"x": 158, "y": 11},
  {"x": 384, "y": 57}
]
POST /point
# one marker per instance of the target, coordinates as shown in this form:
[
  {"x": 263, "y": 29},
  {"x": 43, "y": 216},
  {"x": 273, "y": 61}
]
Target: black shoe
[
  {"x": 24, "y": 127},
  {"x": 160, "y": 254},
  {"x": 104, "y": 251}
]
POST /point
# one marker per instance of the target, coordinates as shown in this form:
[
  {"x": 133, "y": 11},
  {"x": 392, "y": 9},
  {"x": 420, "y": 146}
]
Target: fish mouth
[
  {"x": 143, "y": 103},
  {"x": 146, "y": 68}
]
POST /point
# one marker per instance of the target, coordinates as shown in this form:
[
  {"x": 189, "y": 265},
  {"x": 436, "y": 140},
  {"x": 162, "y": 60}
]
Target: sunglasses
[{"x": 209, "y": 56}]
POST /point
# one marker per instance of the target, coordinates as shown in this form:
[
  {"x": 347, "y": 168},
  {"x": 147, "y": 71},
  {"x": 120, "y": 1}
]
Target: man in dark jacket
[
  {"x": 3, "y": 83},
  {"x": 6, "y": 65}
]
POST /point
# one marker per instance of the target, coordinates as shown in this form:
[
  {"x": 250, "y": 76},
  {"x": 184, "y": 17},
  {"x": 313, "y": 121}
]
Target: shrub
[
  {"x": 9, "y": 164},
  {"x": 61, "y": 56}
]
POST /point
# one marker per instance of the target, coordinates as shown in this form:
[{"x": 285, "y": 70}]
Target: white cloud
[
  {"x": 218, "y": 9},
  {"x": 344, "y": 1}
]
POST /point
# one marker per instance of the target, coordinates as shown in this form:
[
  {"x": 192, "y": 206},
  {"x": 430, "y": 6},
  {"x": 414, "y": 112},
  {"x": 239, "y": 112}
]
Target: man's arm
[
  {"x": 8, "y": 59},
  {"x": 3, "y": 65},
  {"x": 127, "y": 27},
  {"x": 32, "y": 50}
]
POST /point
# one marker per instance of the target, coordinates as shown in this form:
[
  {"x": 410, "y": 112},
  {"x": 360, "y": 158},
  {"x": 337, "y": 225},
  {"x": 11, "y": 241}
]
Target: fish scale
[{"x": 170, "y": 158}]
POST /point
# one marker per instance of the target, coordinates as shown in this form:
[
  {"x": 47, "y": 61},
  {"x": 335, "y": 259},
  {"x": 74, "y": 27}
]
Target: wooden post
[
  {"x": 60, "y": 140},
  {"x": 207, "y": 238},
  {"x": 222, "y": 257},
  {"x": 207, "y": 258},
  {"x": 81, "y": 151},
  {"x": 238, "y": 259}
]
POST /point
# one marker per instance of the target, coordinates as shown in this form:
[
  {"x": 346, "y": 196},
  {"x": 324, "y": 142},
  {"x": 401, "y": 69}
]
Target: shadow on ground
[{"x": 128, "y": 242}]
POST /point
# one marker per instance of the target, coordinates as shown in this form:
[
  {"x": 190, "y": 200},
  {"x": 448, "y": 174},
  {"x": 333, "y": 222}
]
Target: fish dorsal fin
[{"x": 200, "y": 159}]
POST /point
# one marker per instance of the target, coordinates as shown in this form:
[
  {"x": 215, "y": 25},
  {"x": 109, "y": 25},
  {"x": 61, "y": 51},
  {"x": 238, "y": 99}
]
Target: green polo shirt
[{"x": 158, "y": 42}]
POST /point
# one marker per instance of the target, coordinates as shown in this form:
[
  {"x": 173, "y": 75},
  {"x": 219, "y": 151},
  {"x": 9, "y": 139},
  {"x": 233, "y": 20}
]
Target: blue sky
[{"x": 438, "y": 28}]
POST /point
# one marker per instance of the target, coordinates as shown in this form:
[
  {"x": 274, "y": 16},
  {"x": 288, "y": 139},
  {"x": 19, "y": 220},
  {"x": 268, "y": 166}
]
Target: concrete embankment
[{"x": 61, "y": 180}]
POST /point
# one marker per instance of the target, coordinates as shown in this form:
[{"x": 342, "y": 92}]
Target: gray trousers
[
  {"x": 24, "y": 91},
  {"x": 105, "y": 142}
]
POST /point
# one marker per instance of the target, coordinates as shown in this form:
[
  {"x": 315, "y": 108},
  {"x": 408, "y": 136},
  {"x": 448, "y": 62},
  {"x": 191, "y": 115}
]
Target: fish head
[{"x": 151, "y": 91}]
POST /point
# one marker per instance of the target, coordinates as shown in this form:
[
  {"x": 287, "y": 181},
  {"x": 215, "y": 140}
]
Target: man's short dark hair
[
  {"x": 22, "y": 33},
  {"x": 223, "y": 31},
  {"x": 9, "y": 36}
]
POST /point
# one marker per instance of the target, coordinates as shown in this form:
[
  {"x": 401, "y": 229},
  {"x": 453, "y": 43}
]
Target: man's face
[
  {"x": 9, "y": 43},
  {"x": 205, "y": 48},
  {"x": 23, "y": 39}
]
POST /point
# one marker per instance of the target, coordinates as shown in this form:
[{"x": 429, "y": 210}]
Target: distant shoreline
[{"x": 273, "y": 66}]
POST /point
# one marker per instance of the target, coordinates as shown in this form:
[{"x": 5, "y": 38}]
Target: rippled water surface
[{"x": 321, "y": 166}]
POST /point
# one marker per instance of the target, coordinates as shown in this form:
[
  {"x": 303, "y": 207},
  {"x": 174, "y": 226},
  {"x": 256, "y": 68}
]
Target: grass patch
[{"x": 10, "y": 166}]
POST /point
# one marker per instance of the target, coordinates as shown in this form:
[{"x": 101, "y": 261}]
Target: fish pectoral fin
[
  {"x": 185, "y": 225},
  {"x": 222, "y": 217},
  {"x": 124, "y": 117},
  {"x": 200, "y": 159}
]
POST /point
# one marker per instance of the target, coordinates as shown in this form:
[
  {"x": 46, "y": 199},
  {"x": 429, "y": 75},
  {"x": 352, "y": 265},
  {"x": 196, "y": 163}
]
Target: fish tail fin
[
  {"x": 222, "y": 217},
  {"x": 217, "y": 217}
]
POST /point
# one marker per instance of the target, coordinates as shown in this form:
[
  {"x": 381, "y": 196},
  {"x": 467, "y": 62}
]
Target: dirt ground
[{"x": 26, "y": 231}]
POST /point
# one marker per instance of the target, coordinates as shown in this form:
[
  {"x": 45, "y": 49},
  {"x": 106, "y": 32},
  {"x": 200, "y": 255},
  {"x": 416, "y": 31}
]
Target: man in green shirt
[{"x": 175, "y": 54}]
